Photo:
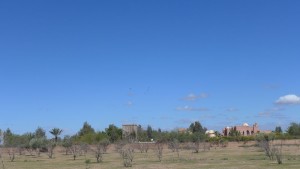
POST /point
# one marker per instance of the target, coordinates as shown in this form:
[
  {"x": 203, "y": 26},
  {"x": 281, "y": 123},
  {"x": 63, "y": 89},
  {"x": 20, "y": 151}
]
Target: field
[{"x": 234, "y": 156}]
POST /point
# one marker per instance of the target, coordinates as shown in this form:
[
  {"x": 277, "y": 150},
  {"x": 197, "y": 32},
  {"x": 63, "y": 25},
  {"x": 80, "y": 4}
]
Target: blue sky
[{"x": 163, "y": 63}]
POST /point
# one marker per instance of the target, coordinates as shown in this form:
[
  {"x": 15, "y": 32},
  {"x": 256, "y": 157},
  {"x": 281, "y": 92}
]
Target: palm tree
[{"x": 56, "y": 132}]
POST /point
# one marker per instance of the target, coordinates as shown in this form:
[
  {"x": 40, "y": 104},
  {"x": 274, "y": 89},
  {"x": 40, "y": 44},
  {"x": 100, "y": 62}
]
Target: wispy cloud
[
  {"x": 188, "y": 108},
  {"x": 264, "y": 114},
  {"x": 232, "y": 109},
  {"x": 184, "y": 121},
  {"x": 207, "y": 116},
  {"x": 274, "y": 112},
  {"x": 231, "y": 119},
  {"x": 279, "y": 115},
  {"x": 166, "y": 118},
  {"x": 193, "y": 97},
  {"x": 271, "y": 86},
  {"x": 129, "y": 103},
  {"x": 131, "y": 120},
  {"x": 130, "y": 92},
  {"x": 289, "y": 99},
  {"x": 275, "y": 109}
]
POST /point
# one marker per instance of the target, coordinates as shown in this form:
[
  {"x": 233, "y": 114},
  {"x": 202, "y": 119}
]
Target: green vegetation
[
  {"x": 294, "y": 129},
  {"x": 56, "y": 132}
]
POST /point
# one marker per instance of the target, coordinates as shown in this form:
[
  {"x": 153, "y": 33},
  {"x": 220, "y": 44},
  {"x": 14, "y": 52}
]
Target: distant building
[
  {"x": 182, "y": 130},
  {"x": 210, "y": 133},
  {"x": 129, "y": 131},
  {"x": 244, "y": 130}
]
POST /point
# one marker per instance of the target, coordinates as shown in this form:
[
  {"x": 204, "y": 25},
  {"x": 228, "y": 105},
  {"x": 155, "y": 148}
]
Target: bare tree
[
  {"x": 266, "y": 142},
  {"x": 12, "y": 154},
  {"x": 119, "y": 145},
  {"x": 205, "y": 146},
  {"x": 99, "y": 150},
  {"x": 278, "y": 152},
  {"x": 83, "y": 149},
  {"x": 1, "y": 136},
  {"x": 174, "y": 145},
  {"x": 127, "y": 154},
  {"x": 20, "y": 150},
  {"x": 146, "y": 147},
  {"x": 143, "y": 147},
  {"x": 104, "y": 144},
  {"x": 195, "y": 146},
  {"x": 223, "y": 143},
  {"x": 50, "y": 149},
  {"x": 75, "y": 150},
  {"x": 159, "y": 150},
  {"x": 298, "y": 145},
  {"x": 266, "y": 146},
  {"x": 2, "y": 162},
  {"x": 29, "y": 150}
]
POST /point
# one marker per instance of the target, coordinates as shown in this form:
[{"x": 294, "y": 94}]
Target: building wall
[
  {"x": 129, "y": 130},
  {"x": 243, "y": 130}
]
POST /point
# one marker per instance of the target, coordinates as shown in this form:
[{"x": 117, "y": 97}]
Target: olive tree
[
  {"x": 37, "y": 144},
  {"x": 50, "y": 148},
  {"x": 67, "y": 143}
]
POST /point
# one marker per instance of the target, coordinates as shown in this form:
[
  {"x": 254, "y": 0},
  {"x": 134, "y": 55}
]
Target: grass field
[{"x": 235, "y": 156}]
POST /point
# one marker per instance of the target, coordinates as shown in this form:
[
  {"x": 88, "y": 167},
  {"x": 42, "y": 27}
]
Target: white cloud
[
  {"x": 129, "y": 103},
  {"x": 184, "y": 121},
  {"x": 188, "y": 108},
  {"x": 275, "y": 109},
  {"x": 232, "y": 109},
  {"x": 193, "y": 97},
  {"x": 264, "y": 114},
  {"x": 271, "y": 86},
  {"x": 288, "y": 99},
  {"x": 190, "y": 97},
  {"x": 166, "y": 118},
  {"x": 274, "y": 112},
  {"x": 276, "y": 115},
  {"x": 203, "y": 95}
]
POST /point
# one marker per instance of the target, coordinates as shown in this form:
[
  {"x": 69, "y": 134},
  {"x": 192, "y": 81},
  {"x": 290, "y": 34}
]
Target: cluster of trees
[
  {"x": 194, "y": 132},
  {"x": 38, "y": 141},
  {"x": 88, "y": 139},
  {"x": 294, "y": 129}
]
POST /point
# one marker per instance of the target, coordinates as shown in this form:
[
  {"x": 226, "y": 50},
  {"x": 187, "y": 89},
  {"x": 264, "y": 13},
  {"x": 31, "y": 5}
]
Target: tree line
[
  {"x": 38, "y": 141},
  {"x": 88, "y": 135}
]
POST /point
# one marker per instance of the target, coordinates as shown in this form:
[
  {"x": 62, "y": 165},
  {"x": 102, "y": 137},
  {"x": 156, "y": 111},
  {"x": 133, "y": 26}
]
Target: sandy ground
[{"x": 235, "y": 156}]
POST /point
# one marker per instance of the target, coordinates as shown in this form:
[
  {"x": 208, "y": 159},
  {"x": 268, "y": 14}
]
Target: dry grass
[{"x": 235, "y": 156}]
